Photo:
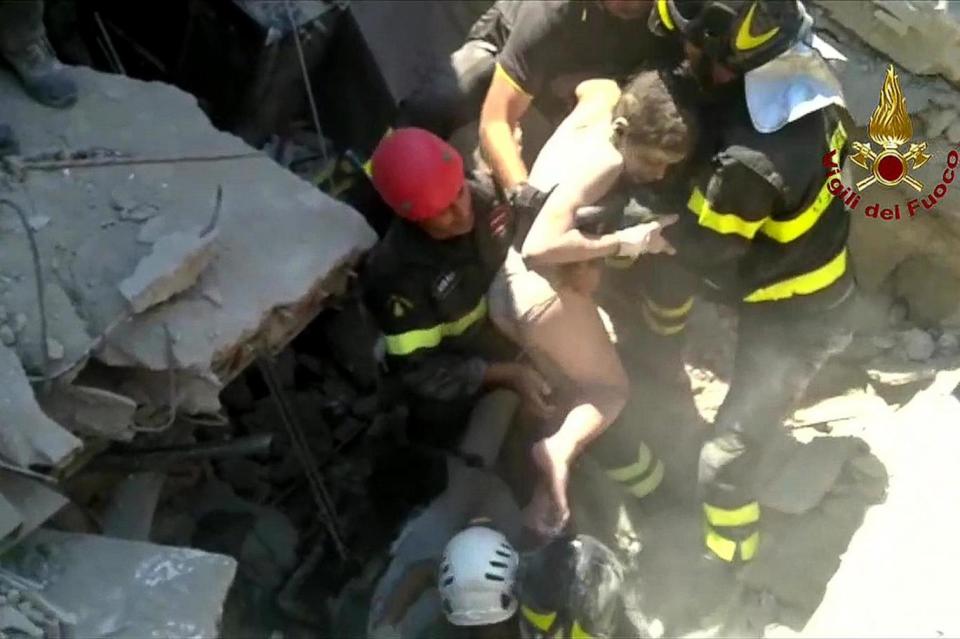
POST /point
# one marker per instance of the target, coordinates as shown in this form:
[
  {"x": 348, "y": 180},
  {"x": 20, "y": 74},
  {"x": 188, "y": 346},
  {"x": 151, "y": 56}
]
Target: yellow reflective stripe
[
  {"x": 649, "y": 484},
  {"x": 626, "y": 473},
  {"x": 500, "y": 71},
  {"x": 670, "y": 313},
  {"x": 748, "y": 547},
  {"x": 726, "y": 549},
  {"x": 726, "y": 223},
  {"x": 664, "y": 12},
  {"x": 406, "y": 343},
  {"x": 803, "y": 284},
  {"x": 749, "y": 514},
  {"x": 660, "y": 329},
  {"x": 722, "y": 547},
  {"x": 577, "y": 632},
  {"x": 785, "y": 231},
  {"x": 542, "y": 621},
  {"x": 746, "y": 40}
]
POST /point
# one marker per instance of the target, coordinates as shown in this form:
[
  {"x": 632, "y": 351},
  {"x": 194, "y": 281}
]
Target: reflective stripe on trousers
[
  {"x": 664, "y": 320},
  {"x": 641, "y": 477},
  {"x": 732, "y": 534}
]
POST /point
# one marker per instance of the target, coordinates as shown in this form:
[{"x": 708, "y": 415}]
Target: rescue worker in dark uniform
[
  {"x": 761, "y": 230},
  {"x": 552, "y": 47},
  {"x": 531, "y": 53},
  {"x": 757, "y": 230},
  {"x": 426, "y": 284},
  {"x": 572, "y": 587}
]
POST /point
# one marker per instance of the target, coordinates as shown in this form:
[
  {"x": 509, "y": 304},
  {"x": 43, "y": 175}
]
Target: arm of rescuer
[
  {"x": 554, "y": 238},
  {"x": 720, "y": 224},
  {"x": 414, "y": 347},
  {"x": 519, "y": 75}
]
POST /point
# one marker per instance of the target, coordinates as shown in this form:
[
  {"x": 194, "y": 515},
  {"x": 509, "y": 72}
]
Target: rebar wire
[
  {"x": 39, "y": 281},
  {"x": 56, "y": 165},
  {"x": 171, "y": 387},
  {"x": 106, "y": 36},
  {"x": 302, "y": 448},
  {"x": 306, "y": 81}
]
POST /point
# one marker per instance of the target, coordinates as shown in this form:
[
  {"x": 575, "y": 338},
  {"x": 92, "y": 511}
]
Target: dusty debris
[
  {"x": 866, "y": 596},
  {"x": 808, "y": 474},
  {"x": 918, "y": 344},
  {"x": 24, "y": 505},
  {"x": 172, "y": 267},
  {"x": 130, "y": 514},
  {"x": 126, "y": 588},
  {"x": 27, "y": 436},
  {"x": 91, "y": 411}
]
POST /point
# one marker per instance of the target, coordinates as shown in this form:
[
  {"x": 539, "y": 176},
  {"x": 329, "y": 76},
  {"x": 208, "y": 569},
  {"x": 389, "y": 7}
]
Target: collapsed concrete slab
[
  {"x": 923, "y": 37},
  {"x": 280, "y": 242},
  {"x": 114, "y": 587},
  {"x": 170, "y": 254},
  {"x": 27, "y": 436}
]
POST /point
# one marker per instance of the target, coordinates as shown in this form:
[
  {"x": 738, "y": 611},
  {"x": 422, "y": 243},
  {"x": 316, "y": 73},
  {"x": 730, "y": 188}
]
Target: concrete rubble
[
  {"x": 913, "y": 259},
  {"x": 163, "y": 278},
  {"x": 141, "y": 589}
]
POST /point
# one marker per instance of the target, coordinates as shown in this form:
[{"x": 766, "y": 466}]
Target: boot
[
  {"x": 43, "y": 77},
  {"x": 8, "y": 143}
]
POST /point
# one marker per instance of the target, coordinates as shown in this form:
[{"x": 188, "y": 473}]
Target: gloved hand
[
  {"x": 645, "y": 238},
  {"x": 525, "y": 200}
]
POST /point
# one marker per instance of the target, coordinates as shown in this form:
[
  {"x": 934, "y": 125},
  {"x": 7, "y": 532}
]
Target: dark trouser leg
[
  {"x": 776, "y": 358},
  {"x": 452, "y": 97},
  {"x": 625, "y": 456},
  {"x": 666, "y": 294},
  {"x": 650, "y": 302},
  {"x": 21, "y": 22}
]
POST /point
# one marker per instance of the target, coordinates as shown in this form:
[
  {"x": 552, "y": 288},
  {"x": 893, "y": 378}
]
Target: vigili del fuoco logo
[{"x": 890, "y": 129}]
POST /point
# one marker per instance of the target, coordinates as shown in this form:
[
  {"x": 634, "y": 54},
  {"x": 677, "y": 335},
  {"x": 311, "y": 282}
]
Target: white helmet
[{"x": 477, "y": 578}]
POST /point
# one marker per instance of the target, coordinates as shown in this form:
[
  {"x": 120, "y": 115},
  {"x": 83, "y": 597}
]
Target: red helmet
[{"x": 416, "y": 173}]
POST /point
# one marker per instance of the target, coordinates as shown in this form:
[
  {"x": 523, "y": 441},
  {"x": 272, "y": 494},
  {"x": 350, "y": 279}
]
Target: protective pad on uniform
[{"x": 792, "y": 85}]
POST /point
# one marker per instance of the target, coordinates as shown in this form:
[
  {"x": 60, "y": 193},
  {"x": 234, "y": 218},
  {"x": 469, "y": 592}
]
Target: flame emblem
[{"x": 890, "y": 128}]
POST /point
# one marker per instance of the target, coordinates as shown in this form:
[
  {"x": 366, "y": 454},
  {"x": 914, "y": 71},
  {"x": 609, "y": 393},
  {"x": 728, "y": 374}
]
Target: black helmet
[
  {"x": 739, "y": 34},
  {"x": 571, "y": 588}
]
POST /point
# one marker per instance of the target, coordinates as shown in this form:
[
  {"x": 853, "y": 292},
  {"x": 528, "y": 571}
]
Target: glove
[
  {"x": 645, "y": 238},
  {"x": 525, "y": 200}
]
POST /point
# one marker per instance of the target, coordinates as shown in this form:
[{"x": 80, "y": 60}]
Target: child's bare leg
[{"x": 571, "y": 334}]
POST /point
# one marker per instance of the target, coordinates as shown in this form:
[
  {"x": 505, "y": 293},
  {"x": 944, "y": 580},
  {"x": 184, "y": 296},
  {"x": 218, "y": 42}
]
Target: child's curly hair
[{"x": 654, "y": 110}]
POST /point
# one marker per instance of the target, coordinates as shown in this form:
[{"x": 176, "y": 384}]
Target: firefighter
[
  {"x": 758, "y": 228},
  {"x": 24, "y": 46},
  {"x": 531, "y": 53},
  {"x": 763, "y": 230},
  {"x": 571, "y": 587},
  {"x": 552, "y": 47},
  {"x": 426, "y": 283}
]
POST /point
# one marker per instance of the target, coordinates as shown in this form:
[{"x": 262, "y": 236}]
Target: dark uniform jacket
[
  {"x": 429, "y": 299},
  {"x": 760, "y": 224},
  {"x": 553, "y": 45},
  {"x": 757, "y": 223}
]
